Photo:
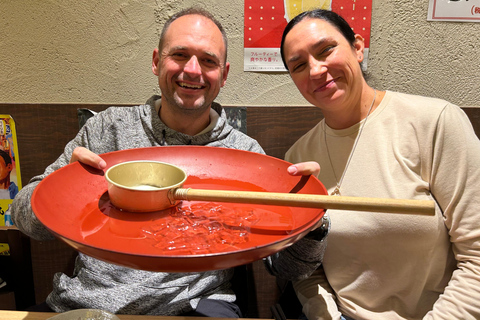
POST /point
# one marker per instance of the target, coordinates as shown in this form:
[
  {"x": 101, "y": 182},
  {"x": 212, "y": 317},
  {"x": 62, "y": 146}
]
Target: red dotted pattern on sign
[
  {"x": 358, "y": 14},
  {"x": 264, "y": 23},
  {"x": 264, "y": 20}
]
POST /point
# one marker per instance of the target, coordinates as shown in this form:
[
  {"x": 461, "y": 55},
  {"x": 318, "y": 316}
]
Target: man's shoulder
[
  {"x": 125, "y": 113},
  {"x": 241, "y": 141}
]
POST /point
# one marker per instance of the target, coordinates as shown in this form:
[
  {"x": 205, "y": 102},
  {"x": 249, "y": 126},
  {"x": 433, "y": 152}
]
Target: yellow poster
[{"x": 10, "y": 179}]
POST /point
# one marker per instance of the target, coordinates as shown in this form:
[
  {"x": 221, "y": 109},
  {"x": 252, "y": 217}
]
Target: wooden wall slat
[
  {"x": 42, "y": 132},
  {"x": 474, "y": 116},
  {"x": 16, "y": 270},
  {"x": 48, "y": 258},
  {"x": 277, "y": 128}
]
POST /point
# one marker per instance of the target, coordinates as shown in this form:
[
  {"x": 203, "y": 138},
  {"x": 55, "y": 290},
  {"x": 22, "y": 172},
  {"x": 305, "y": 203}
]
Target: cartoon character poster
[
  {"x": 10, "y": 179},
  {"x": 264, "y": 21}
]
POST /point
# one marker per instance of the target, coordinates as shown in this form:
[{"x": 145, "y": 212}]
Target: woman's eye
[
  {"x": 298, "y": 67},
  {"x": 326, "y": 50}
]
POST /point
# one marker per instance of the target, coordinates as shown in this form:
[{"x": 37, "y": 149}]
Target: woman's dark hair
[{"x": 329, "y": 16}]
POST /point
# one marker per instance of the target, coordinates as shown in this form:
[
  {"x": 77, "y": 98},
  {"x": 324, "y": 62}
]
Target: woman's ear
[{"x": 359, "y": 46}]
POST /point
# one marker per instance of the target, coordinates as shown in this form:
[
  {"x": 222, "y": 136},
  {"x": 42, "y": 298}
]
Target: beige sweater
[{"x": 400, "y": 266}]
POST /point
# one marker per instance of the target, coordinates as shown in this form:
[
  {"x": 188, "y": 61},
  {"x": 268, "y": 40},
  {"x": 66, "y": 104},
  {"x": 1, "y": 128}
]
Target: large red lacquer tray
[{"x": 73, "y": 204}]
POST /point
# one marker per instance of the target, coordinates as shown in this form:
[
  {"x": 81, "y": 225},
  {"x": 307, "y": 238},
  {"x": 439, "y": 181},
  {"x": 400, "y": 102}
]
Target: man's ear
[
  {"x": 155, "y": 61},
  {"x": 225, "y": 73}
]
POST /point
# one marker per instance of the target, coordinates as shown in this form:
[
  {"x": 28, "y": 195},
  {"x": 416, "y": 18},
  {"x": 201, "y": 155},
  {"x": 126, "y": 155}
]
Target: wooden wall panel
[
  {"x": 48, "y": 258},
  {"x": 42, "y": 132},
  {"x": 277, "y": 128},
  {"x": 473, "y": 114},
  {"x": 16, "y": 270}
]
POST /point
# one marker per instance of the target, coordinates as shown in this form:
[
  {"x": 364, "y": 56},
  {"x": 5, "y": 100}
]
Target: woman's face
[{"x": 323, "y": 64}]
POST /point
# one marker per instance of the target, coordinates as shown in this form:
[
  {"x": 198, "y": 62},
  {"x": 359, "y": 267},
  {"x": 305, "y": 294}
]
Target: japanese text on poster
[
  {"x": 454, "y": 10},
  {"x": 10, "y": 180},
  {"x": 264, "y": 21}
]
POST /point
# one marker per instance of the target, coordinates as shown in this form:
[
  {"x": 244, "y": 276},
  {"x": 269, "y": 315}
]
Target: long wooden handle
[{"x": 308, "y": 200}]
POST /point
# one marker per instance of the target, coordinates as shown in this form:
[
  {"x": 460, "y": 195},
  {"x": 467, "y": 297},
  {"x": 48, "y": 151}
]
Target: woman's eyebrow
[
  {"x": 316, "y": 45},
  {"x": 319, "y": 43}
]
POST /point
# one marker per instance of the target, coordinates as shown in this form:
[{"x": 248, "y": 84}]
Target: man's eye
[
  {"x": 210, "y": 62},
  {"x": 178, "y": 55}
]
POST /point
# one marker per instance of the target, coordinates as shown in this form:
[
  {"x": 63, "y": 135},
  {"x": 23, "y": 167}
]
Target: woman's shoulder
[
  {"x": 416, "y": 102},
  {"x": 409, "y": 106},
  {"x": 425, "y": 113}
]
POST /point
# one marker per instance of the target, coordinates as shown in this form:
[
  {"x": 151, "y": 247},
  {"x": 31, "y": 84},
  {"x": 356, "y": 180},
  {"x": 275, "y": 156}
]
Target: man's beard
[{"x": 179, "y": 107}]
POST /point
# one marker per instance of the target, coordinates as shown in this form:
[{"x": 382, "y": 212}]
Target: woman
[{"x": 385, "y": 144}]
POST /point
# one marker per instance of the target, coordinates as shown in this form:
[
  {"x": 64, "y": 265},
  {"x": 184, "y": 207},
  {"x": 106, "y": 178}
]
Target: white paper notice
[{"x": 454, "y": 10}]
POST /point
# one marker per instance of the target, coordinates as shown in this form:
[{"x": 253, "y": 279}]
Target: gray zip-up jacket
[{"x": 99, "y": 285}]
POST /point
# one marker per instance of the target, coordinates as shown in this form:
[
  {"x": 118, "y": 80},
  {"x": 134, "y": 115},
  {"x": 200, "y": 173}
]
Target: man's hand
[
  {"x": 304, "y": 169},
  {"x": 87, "y": 157}
]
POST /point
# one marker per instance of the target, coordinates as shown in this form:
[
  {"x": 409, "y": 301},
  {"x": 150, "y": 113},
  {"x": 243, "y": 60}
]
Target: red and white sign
[{"x": 264, "y": 21}]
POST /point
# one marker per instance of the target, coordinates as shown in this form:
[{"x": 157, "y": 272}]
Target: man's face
[{"x": 191, "y": 66}]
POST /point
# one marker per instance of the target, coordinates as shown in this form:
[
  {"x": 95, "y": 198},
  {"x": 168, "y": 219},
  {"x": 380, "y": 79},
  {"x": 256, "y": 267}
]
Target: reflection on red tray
[
  {"x": 81, "y": 214},
  {"x": 201, "y": 228}
]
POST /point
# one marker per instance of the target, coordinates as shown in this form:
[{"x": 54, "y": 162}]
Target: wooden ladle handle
[{"x": 308, "y": 200}]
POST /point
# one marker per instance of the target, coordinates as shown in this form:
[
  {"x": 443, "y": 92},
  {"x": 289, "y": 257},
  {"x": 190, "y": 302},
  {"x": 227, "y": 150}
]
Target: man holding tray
[{"x": 191, "y": 66}]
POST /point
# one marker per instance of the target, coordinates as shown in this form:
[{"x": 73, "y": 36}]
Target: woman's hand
[
  {"x": 87, "y": 157},
  {"x": 304, "y": 169}
]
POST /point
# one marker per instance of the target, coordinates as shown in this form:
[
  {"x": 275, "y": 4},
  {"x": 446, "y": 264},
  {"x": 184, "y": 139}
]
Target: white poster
[{"x": 454, "y": 10}]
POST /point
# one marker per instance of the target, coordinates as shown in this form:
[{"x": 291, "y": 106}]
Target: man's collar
[{"x": 214, "y": 113}]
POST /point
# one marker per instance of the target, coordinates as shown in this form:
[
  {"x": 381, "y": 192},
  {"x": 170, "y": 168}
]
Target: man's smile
[{"x": 189, "y": 85}]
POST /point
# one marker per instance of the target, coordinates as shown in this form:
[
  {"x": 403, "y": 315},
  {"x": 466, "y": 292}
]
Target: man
[{"x": 191, "y": 66}]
